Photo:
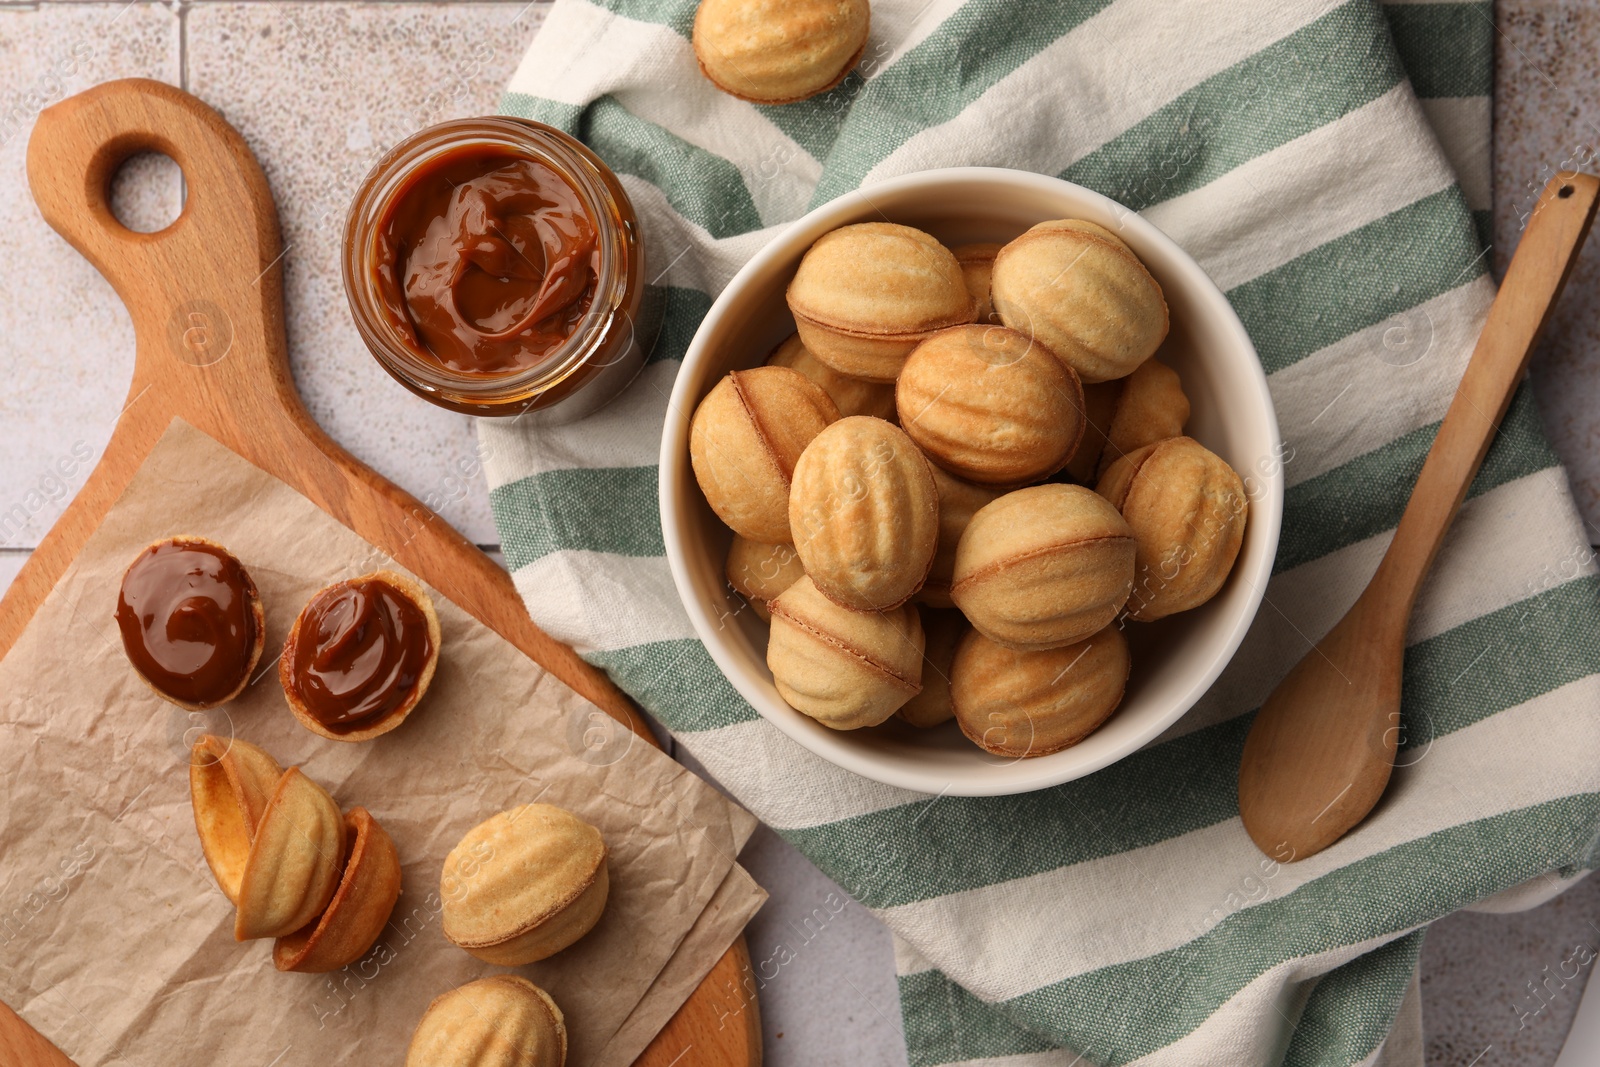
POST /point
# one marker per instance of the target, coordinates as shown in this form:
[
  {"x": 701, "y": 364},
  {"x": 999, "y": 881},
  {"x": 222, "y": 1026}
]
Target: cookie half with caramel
[
  {"x": 360, "y": 656},
  {"x": 191, "y": 621}
]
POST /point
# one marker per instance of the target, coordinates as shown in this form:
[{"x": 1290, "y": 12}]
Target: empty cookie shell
[
  {"x": 230, "y": 784},
  {"x": 368, "y": 887}
]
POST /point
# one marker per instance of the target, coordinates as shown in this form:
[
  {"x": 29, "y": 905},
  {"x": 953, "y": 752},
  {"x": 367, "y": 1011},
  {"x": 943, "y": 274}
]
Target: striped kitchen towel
[{"x": 1126, "y": 917}]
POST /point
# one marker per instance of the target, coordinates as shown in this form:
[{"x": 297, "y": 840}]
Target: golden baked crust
[
  {"x": 503, "y": 1020},
  {"x": 412, "y": 591},
  {"x": 524, "y": 884},
  {"x": 369, "y": 884},
  {"x": 864, "y": 512},
  {"x": 958, "y": 502},
  {"x": 760, "y": 572},
  {"x": 852, "y": 396},
  {"x": 230, "y": 784},
  {"x": 942, "y": 631},
  {"x": 1080, "y": 290},
  {"x": 846, "y": 669},
  {"x": 1044, "y": 567},
  {"x": 865, "y": 294},
  {"x": 779, "y": 51},
  {"x": 258, "y": 616},
  {"x": 1150, "y": 407},
  {"x": 744, "y": 441},
  {"x": 294, "y": 863},
  {"x": 990, "y": 405},
  {"x": 977, "y": 266},
  {"x": 1022, "y": 704},
  {"x": 1099, "y": 407},
  {"x": 1187, "y": 509}
]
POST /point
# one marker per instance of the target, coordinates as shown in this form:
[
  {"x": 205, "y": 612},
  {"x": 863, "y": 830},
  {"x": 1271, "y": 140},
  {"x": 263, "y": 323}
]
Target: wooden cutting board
[{"x": 206, "y": 298}]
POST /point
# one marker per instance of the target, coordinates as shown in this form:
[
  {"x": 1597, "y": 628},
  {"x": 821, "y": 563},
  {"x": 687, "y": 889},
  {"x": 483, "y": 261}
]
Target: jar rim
[{"x": 392, "y": 173}]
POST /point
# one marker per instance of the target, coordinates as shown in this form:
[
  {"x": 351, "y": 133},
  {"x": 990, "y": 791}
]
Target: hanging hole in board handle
[{"x": 1564, "y": 192}]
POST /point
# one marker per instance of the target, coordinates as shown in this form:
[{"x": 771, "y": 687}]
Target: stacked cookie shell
[{"x": 976, "y": 553}]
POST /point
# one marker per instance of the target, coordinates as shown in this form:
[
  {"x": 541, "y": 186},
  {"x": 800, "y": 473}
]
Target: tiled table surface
[{"x": 319, "y": 88}]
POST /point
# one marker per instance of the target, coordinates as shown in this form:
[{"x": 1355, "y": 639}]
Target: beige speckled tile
[
  {"x": 1476, "y": 973},
  {"x": 66, "y": 340},
  {"x": 320, "y": 90},
  {"x": 1547, "y": 114}
]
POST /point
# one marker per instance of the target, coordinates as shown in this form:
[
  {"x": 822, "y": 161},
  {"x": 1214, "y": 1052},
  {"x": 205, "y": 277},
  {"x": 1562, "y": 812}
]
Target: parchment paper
[{"x": 118, "y": 945}]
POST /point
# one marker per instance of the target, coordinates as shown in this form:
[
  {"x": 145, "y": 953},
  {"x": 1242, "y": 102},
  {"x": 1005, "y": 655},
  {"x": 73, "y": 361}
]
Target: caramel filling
[
  {"x": 359, "y": 652},
  {"x": 187, "y": 622}
]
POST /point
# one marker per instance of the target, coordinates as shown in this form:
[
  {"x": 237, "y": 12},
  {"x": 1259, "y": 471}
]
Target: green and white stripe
[{"x": 1126, "y": 917}]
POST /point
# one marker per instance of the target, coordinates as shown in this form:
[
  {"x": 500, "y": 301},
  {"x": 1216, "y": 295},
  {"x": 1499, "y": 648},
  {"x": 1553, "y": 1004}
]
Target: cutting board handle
[{"x": 205, "y": 292}]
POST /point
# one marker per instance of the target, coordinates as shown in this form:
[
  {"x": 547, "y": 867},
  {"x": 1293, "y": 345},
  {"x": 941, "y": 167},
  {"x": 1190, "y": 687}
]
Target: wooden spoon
[{"x": 1321, "y": 749}]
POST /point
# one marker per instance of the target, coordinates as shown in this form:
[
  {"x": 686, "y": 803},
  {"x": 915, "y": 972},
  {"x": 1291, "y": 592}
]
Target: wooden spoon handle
[{"x": 1544, "y": 259}]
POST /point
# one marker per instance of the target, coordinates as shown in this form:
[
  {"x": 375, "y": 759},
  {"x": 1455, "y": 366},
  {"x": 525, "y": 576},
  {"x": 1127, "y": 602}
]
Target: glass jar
[{"x": 603, "y": 351}]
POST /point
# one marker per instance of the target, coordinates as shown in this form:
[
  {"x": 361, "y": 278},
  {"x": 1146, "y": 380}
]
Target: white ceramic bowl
[{"x": 1174, "y": 660}]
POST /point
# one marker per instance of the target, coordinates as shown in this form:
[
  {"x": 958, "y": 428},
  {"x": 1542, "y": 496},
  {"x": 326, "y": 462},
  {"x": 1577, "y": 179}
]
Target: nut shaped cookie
[
  {"x": 524, "y": 884},
  {"x": 1078, "y": 289},
  {"x": 977, "y": 265},
  {"x": 743, "y": 443},
  {"x": 760, "y": 572},
  {"x": 295, "y": 860},
  {"x": 846, "y": 669},
  {"x": 1099, "y": 407},
  {"x": 1021, "y": 704},
  {"x": 852, "y": 396},
  {"x": 990, "y": 405},
  {"x": 230, "y": 783},
  {"x": 500, "y": 1021},
  {"x": 958, "y": 502},
  {"x": 865, "y": 294},
  {"x": 1044, "y": 567},
  {"x": 942, "y": 631},
  {"x": 368, "y": 887},
  {"x": 864, "y": 512},
  {"x": 1150, "y": 407},
  {"x": 1187, "y": 509},
  {"x": 772, "y": 52}
]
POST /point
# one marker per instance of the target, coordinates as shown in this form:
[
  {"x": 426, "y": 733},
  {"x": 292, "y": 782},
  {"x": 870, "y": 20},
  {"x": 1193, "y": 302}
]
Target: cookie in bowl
[
  {"x": 1187, "y": 509},
  {"x": 745, "y": 439},
  {"x": 760, "y": 572},
  {"x": 845, "y": 669},
  {"x": 360, "y": 656},
  {"x": 865, "y": 295},
  {"x": 191, "y": 621},
  {"x": 990, "y": 405},
  {"x": 852, "y": 396},
  {"x": 864, "y": 512},
  {"x": 1044, "y": 567},
  {"x": 1028, "y": 704},
  {"x": 1081, "y": 292}
]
